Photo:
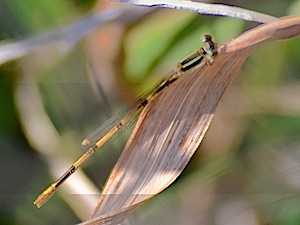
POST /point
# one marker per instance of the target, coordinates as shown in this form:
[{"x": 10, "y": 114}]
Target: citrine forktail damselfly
[{"x": 105, "y": 132}]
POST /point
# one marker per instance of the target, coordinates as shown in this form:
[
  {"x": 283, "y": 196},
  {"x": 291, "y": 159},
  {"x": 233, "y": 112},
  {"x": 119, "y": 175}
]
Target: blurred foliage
[
  {"x": 19, "y": 18},
  {"x": 250, "y": 154}
]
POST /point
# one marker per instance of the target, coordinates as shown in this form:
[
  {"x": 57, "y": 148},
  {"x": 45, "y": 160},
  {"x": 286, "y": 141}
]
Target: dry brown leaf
[
  {"x": 171, "y": 128},
  {"x": 284, "y": 28}
]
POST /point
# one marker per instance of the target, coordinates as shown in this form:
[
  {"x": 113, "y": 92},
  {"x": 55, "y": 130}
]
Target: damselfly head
[
  {"x": 206, "y": 38},
  {"x": 210, "y": 48}
]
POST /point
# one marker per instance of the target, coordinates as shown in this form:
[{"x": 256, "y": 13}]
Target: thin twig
[{"x": 207, "y": 9}]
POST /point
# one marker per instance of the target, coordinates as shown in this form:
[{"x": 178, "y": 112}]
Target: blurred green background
[{"x": 247, "y": 170}]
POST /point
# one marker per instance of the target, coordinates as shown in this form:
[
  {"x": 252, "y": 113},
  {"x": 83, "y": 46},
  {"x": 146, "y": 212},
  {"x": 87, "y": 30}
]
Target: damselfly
[{"x": 105, "y": 132}]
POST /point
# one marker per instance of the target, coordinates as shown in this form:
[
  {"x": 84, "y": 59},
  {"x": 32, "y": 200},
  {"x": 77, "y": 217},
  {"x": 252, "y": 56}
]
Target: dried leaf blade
[{"x": 167, "y": 134}]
